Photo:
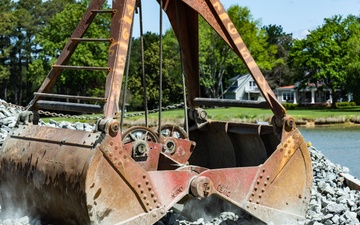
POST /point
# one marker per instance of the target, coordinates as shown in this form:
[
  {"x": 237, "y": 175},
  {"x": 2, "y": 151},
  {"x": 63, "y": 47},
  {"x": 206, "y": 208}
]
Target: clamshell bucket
[{"x": 135, "y": 176}]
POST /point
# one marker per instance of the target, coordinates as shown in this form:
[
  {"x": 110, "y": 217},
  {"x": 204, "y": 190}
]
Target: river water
[{"x": 340, "y": 144}]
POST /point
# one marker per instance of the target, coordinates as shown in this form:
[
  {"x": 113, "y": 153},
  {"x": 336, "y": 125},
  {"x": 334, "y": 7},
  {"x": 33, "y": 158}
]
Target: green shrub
[
  {"x": 352, "y": 103},
  {"x": 342, "y": 105},
  {"x": 290, "y": 105}
]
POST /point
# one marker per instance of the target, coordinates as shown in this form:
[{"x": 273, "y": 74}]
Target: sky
[{"x": 295, "y": 16}]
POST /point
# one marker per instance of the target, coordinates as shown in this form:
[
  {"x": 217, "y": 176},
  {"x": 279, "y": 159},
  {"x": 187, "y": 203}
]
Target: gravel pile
[
  {"x": 9, "y": 115},
  {"x": 22, "y": 221},
  {"x": 331, "y": 201}
]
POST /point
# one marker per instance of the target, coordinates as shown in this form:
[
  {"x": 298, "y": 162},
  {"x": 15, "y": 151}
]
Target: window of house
[
  {"x": 252, "y": 85},
  {"x": 288, "y": 96}
]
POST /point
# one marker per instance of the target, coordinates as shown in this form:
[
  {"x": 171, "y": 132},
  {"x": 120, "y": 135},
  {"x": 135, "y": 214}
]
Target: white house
[
  {"x": 286, "y": 94},
  {"x": 311, "y": 94},
  {"x": 243, "y": 87}
]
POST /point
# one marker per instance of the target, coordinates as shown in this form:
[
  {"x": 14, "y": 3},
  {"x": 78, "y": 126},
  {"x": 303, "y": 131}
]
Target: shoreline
[
  {"x": 328, "y": 124},
  {"x": 301, "y": 123}
]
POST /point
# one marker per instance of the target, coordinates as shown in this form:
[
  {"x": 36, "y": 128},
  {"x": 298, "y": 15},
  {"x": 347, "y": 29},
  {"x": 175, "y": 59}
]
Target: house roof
[
  {"x": 309, "y": 86},
  {"x": 289, "y": 87},
  {"x": 234, "y": 78},
  {"x": 240, "y": 77},
  {"x": 237, "y": 82},
  {"x": 232, "y": 89}
]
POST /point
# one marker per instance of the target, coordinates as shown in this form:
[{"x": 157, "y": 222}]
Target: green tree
[
  {"x": 7, "y": 25},
  {"x": 172, "y": 84},
  {"x": 353, "y": 67},
  {"x": 218, "y": 63},
  {"x": 29, "y": 23},
  {"x": 54, "y": 37},
  {"x": 135, "y": 88},
  {"x": 281, "y": 74},
  {"x": 324, "y": 56},
  {"x": 21, "y": 21}
]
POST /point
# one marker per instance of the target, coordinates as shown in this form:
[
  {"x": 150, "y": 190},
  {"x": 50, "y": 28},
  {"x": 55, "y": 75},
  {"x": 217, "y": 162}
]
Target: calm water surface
[{"x": 340, "y": 144}]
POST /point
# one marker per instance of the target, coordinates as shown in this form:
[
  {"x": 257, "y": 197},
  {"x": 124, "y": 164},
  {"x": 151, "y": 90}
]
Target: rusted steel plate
[
  {"x": 56, "y": 135},
  {"x": 120, "y": 32},
  {"x": 351, "y": 181},
  {"x": 44, "y": 176},
  {"x": 184, "y": 21},
  {"x": 178, "y": 149},
  {"x": 284, "y": 182}
]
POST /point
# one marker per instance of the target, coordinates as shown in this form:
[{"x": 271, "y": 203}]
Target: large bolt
[
  {"x": 170, "y": 146},
  {"x": 289, "y": 123},
  {"x": 140, "y": 148},
  {"x": 115, "y": 126},
  {"x": 202, "y": 115},
  {"x": 201, "y": 187}
]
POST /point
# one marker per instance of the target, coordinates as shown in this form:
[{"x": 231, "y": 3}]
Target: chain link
[
  {"x": 174, "y": 106},
  {"x": 22, "y": 108},
  {"x": 61, "y": 115}
]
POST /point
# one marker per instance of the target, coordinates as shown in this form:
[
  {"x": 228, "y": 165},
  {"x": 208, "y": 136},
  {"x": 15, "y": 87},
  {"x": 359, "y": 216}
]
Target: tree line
[{"x": 33, "y": 33}]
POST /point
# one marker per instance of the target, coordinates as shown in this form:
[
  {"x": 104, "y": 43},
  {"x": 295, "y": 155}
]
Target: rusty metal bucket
[{"x": 77, "y": 177}]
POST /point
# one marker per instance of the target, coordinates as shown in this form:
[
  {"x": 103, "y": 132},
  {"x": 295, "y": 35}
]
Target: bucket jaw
[
  {"x": 275, "y": 191},
  {"x": 78, "y": 177}
]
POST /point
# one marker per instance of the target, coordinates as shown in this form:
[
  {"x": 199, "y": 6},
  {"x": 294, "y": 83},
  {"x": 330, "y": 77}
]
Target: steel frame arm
[
  {"x": 214, "y": 13},
  {"x": 120, "y": 34},
  {"x": 120, "y": 31},
  {"x": 184, "y": 21},
  {"x": 183, "y": 15},
  {"x": 68, "y": 50}
]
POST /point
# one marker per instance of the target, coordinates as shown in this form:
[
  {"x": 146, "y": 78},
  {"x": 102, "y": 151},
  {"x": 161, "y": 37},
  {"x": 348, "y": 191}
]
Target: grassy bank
[{"x": 250, "y": 115}]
